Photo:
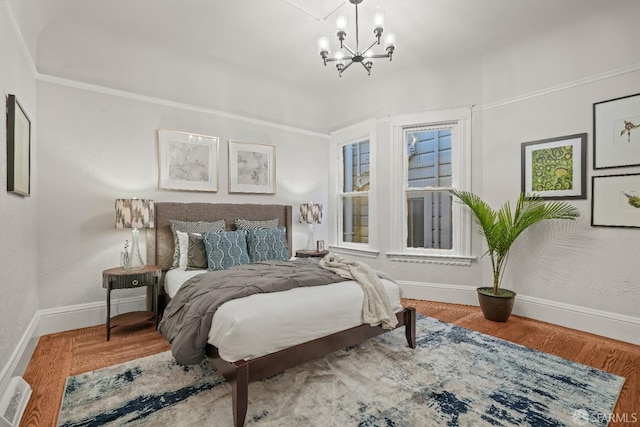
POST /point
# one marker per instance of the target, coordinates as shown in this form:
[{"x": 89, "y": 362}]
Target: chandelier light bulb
[
  {"x": 323, "y": 44},
  {"x": 341, "y": 23},
  {"x": 378, "y": 19},
  {"x": 389, "y": 41}
]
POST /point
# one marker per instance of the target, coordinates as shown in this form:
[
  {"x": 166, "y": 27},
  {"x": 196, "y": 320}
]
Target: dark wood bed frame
[{"x": 240, "y": 373}]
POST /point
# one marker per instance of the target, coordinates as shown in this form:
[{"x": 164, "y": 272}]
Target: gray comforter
[{"x": 187, "y": 318}]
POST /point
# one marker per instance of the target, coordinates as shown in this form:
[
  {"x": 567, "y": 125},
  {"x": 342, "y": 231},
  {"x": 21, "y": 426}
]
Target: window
[
  {"x": 354, "y": 196},
  {"x": 428, "y": 181},
  {"x": 353, "y": 187},
  {"x": 432, "y": 153}
]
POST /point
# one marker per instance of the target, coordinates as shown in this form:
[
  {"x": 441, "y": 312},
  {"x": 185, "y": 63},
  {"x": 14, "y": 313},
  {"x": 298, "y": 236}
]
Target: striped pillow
[
  {"x": 245, "y": 224},
  {"x": 225, "y": 249},
  {"x": 268, "y": 244},
  {"x": 191, "y": 227}
]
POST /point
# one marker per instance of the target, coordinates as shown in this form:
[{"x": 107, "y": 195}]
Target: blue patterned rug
[{"x": 455, "y": 377}]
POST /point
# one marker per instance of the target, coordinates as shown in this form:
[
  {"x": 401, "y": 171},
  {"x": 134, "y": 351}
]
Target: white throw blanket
[{"x": 376, "y": 309}]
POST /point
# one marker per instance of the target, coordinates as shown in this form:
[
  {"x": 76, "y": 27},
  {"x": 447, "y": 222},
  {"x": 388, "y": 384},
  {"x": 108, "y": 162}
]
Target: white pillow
[{"x": 183, "y": 243}]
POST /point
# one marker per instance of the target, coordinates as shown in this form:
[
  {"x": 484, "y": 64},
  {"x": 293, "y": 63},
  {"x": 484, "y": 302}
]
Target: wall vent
[{"x": 13, "y": 401}]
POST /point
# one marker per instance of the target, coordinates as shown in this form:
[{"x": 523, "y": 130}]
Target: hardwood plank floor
[{"x": 64, "y": 354}]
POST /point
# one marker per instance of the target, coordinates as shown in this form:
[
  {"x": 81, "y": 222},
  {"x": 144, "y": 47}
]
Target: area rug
[{"x": 455, "y": 377}]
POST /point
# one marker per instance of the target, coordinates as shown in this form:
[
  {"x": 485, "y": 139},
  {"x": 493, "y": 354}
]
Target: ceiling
[{"x": 145, "y": 46}]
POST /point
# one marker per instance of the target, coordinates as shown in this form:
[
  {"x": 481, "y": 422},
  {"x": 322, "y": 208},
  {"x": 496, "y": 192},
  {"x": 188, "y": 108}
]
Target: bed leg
[
  {"x": 239, "y": 395},
  {"x": 410, "y": 326}
]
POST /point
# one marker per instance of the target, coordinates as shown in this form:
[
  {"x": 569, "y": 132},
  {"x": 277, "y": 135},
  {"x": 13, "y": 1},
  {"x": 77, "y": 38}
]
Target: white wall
[
  {"x": 569, "y": 273},
  {"x": 97, "y": 147},
  {"x": 18, "y": 226}
]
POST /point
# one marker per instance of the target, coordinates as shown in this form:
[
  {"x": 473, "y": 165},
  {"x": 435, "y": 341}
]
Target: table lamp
[
  {"x": 311, "y": 213},
  {"x": 134, "y": 213}
]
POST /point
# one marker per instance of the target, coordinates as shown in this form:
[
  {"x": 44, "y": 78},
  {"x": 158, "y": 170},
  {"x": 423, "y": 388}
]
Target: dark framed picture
[
  {"x": 616, "y": 132},
  {"x": 555, "y": 168},
  {"x": 18, "y": 148},
  {"x": 615, "y": 200}
]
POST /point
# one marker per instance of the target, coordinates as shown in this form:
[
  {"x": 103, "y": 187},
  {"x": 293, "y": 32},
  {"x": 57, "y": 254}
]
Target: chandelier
[{"x": 365, "y": 57}]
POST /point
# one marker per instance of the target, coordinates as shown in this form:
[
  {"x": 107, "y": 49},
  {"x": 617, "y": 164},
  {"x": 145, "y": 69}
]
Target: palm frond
[{"x": 502, "y": 227}]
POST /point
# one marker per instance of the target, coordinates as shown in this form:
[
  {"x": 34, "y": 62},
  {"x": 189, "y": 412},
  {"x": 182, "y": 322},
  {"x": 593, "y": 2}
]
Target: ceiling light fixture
[{"x": 365, "y": 57}]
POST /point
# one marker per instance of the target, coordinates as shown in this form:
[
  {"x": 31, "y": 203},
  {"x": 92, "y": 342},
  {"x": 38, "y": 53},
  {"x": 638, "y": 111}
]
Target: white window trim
[
  {"x": 353, "y": 134},
  {"x": 460, "y": 254}
]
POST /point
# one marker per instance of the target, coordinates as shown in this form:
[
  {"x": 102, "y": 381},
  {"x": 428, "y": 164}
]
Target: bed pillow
[
  {"x": 225, "y": 249},
  {"x": 196, "y": 253},
  {"x": 191, "y": 227},
  {"x": 268, "y": 244},
  {"x": 245, "y": 224}
]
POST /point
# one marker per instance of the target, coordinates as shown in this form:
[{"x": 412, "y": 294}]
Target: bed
[{"x": 239, "y": 363}]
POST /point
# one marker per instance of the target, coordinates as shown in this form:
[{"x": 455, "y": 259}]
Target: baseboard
[
  {"x": 14, "y": 364},
  {"x": 606, "y": 324},
  {"x": 61, "y": 319}
]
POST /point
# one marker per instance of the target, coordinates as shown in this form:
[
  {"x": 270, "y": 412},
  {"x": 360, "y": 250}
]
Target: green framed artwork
[{"x": 555, "y": 168}]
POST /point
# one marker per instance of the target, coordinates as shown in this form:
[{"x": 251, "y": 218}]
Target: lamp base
[
  {"x": 135, "y": 259},
  {"x": 310, "y": 243}
]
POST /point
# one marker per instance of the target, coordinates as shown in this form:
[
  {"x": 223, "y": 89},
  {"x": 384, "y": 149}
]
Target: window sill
[
  {"x": 459, "y": 260},
  {"x": 364, "y": 253}
]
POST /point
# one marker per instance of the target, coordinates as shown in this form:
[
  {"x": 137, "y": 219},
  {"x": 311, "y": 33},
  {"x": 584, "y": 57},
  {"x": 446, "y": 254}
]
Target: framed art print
[
  {"x": 555, "y": 168},
  {"x": 615, "y": 200},
  {"x": 252, "y": 168},
  {"x": 187, "y": 161},
  {"x": 616, "y": 132},
  {"x": 18, "y": 148}
]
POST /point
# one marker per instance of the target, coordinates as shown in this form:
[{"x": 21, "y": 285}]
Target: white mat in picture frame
[
  {"x": 187, "y": 161},
  {"x": 252, "y": 168}
]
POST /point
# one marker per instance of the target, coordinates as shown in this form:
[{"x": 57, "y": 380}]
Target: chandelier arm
[
  {"x": 366, "y": 68},
  {"x": 379, "y": 55},
  {"x": 367, "y": 49},
  {"x": 351, "y": 51},
  {"x": 346, "y": 66}
]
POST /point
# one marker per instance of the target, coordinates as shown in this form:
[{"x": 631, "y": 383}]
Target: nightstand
[
  {"x": 311, "y": 254},
  {"x": 119, "y": 278}
]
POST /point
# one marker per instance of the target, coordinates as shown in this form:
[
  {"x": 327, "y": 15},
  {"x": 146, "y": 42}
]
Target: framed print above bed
[
  {"x": 555, "y": 168},
  {"x": 187, "y": 161},
  {"x": 615, "y": 200},
  {"x": 252, "y": 168},
  {"x": 616, "y": 132},
  {"x": 18, "y": 148}
]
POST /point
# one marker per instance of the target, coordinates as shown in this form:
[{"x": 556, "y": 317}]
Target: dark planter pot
[{"x": 496, "y": 307}]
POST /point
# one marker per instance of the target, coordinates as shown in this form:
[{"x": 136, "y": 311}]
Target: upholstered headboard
[{"x": 160, "y": 238}]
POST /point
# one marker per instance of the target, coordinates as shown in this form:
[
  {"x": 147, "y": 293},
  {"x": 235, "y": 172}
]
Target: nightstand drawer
[{"x": 130, "y": 280}]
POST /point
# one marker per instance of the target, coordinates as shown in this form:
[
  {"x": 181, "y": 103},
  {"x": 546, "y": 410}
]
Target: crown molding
[{"x": 569, "y": 85}]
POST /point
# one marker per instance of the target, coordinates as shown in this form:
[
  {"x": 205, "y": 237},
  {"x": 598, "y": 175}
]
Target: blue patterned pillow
[
  {"x": 267, "y": 244},
  {"x": 225, "y": 249}
]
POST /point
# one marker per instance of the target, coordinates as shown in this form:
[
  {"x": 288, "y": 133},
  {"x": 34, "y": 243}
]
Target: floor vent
[{"x": 13, "y": 401}]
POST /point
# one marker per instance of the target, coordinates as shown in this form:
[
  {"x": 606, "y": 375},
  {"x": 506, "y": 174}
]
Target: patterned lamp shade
[
  {"x": 134, "y": 213},
  {"x": 311, "y": 213}
]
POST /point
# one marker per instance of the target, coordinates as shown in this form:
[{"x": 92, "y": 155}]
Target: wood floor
[{"x": 58, "y": 356}]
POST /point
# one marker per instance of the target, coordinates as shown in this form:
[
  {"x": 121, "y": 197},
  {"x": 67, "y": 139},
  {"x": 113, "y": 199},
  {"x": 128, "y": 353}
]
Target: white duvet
[{"x": 260, "y": 324}]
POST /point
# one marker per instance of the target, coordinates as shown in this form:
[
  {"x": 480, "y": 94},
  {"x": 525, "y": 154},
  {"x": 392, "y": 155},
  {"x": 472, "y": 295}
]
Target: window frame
[
  {"x": 459, "y": 120},
  {"x": 352, "y": 135}
]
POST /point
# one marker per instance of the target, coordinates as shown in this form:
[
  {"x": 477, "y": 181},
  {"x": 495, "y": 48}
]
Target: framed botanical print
[
  {"x": 187, "y": 161},
  {"x": 252, "y": 168},
  {"x": 615, "y": 200},
  {"x": 555, "y": 168},
  {"x": 616, "y": 132}
]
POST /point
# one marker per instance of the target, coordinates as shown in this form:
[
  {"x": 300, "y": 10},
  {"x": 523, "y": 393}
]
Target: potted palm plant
[{"x": 501, "y": 228}]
